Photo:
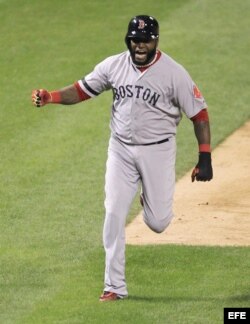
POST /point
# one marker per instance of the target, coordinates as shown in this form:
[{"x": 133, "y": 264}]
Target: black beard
[{"x": 150, "y": 57}]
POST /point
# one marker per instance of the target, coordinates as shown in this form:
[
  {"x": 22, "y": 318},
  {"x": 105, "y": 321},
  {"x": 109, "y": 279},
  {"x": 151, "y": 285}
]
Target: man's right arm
[{"x": 69, "y": 95}]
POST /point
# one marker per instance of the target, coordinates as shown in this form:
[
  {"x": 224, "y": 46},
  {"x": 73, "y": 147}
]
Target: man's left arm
[{"x": 203, "y": 171}]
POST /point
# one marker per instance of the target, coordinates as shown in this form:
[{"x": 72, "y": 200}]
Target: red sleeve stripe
[
  {"x": 201, "y": 116},
  {"x": 92, "y": 91},
  {"x": 82, "y": 95}
]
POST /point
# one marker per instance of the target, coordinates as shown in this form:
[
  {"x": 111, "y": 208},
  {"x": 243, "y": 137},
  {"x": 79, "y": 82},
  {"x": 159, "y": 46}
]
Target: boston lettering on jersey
[{"x": 136, "y": 91}]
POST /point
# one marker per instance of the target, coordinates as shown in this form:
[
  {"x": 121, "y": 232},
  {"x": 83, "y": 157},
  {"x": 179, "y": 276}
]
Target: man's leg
[
  {"x": 121, "y": 183},
  {"x": 157, "y": 168}
]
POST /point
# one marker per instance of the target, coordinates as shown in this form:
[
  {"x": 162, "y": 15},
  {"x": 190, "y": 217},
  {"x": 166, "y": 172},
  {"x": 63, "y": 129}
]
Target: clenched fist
[
  {"x": 40, "y": 97},
  {"x": 203, "y": 171}
]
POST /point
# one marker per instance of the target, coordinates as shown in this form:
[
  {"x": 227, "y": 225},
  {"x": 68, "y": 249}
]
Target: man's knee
[{"x": 158, "y": 224}]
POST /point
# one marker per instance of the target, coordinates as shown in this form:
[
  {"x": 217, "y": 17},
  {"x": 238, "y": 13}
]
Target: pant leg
[
  {"x": 121, "y": 184},
  {"x": 157, "y": 168}
]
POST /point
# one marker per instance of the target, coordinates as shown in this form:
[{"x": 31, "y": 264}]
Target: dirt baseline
[{"x": 209, "y": 213}]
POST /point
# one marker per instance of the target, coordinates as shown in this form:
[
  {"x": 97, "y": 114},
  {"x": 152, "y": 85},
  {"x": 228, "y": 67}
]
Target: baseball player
[{"x": 150, "y": 93}]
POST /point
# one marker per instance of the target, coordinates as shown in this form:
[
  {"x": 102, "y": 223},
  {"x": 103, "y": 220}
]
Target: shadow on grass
[{"x": 165, "y": 299}]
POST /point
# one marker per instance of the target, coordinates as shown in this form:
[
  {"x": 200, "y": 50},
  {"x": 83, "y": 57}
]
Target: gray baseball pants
[{"x": 127, "y": 166}]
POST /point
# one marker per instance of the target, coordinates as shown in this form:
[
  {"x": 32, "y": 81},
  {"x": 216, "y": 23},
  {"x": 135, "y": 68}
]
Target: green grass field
[{"x": 53, "y": 161}]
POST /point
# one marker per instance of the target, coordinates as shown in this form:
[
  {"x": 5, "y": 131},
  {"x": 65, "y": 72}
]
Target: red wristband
[
  {"x": 204, "y": 148},
  {"x": 55, "y": 97}
]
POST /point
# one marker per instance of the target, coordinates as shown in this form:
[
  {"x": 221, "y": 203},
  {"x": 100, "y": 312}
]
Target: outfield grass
[
  {"x": 53, "y": 161},
  {"x": 166, "y": 285}
]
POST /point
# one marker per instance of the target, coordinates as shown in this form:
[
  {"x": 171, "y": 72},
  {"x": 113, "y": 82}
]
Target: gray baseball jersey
[{"x": 147, "y": 106}]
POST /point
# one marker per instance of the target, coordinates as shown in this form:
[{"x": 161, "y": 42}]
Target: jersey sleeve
[
  {"x": 96, "y": 81},
  {"x": 187, "y": 95}
]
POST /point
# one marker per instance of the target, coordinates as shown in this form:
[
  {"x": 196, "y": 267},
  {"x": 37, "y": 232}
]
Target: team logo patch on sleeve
[{"x": 197, "y": 93}]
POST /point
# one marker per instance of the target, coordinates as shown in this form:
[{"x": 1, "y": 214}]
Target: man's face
[{"x": 142, "y": 51}]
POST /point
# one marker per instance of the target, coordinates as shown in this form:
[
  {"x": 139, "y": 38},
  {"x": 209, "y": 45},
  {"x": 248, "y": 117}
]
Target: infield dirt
[{"x": 209, "y": 213}]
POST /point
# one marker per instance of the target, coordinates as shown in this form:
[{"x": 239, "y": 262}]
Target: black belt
[{"x": 153, "y": 143}]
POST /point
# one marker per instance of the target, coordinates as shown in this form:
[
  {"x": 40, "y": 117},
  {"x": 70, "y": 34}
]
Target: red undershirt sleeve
[
  {"x": 201, "y": 116},
  {"x": 82, "y": 95}
]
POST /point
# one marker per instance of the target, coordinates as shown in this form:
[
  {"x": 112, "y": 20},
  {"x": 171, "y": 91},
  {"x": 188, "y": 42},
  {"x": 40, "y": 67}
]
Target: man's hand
[
  {"x": 40, "y": 97},
  {"x": 203, "y": 170}
]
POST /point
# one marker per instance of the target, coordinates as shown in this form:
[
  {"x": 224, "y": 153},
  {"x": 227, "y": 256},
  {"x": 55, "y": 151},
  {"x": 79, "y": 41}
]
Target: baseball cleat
[{"x": 109, "y": 296}]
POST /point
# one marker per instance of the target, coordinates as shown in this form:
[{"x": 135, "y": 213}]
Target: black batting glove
[{"x": 203, "y": 170}]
